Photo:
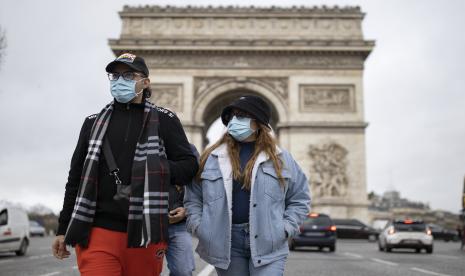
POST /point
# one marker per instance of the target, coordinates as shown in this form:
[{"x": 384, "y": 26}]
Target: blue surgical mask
[
  {"x": 123, "y": 90},
  {"x": 240, "y": 129}
]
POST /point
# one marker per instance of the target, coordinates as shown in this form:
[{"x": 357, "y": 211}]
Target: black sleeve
[
  {"x": 183, "y": 163},
  {"x": 74, "y": 176}
]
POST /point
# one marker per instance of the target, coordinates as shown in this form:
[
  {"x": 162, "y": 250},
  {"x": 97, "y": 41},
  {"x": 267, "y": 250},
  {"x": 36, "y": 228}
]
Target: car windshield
[
  {"x": 435, "y": 227},
  {"x": 348, "y": 222},
  {"x": 410, "y": 227},
  {"x": 320, "y": 220},
  {"x": 3, "y": 217}
]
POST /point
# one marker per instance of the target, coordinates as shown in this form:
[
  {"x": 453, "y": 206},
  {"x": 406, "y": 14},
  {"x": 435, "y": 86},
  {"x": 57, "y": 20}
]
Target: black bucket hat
[
  {"x": 131, "y": 60},
  {"x": 254, "y": 105}
]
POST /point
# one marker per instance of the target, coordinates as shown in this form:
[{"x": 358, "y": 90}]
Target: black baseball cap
[
  {"x": 131, "y": 60},
  {"x": 254, "y": 105}
]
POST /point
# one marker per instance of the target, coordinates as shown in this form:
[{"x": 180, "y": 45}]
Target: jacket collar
[{"x": 126, "y": 106}]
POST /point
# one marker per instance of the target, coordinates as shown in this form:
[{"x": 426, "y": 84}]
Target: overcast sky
[{"x": 53, "y": 76}]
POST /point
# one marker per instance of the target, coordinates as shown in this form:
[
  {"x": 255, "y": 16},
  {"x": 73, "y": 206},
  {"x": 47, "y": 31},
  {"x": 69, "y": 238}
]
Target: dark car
[
  {"x": 355, "y": 229},
  {"x": 441, "y": 233},
  {"x": 318, "y": 230},
  {"x": 35, "y": 229}
]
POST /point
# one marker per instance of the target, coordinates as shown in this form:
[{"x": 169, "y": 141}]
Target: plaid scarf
[{"x": 148, "y": 201}]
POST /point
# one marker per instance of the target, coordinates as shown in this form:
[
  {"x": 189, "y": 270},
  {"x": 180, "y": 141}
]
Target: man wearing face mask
[{"x": 115, "y": 210}]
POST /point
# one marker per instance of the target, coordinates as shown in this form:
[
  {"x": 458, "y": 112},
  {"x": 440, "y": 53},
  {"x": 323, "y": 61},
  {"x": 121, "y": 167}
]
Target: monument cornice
[
  {"x": 247, "y": 59},
  {"x": 364, "y": 46},
  {"x": 243, "y": 12}
]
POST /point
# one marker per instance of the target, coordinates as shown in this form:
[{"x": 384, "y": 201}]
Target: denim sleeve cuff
[{"x": 289, "y": 229}]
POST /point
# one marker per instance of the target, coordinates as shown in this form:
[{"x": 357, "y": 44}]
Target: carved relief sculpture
[
  {"x": 327, "y": 98},
  {"x": 167, "y": 95},
  {"x": 328, "y": 170},
  {"x": 262, "y": 60}
]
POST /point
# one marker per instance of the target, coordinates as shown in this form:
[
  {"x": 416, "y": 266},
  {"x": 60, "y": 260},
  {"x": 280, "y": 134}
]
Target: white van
[{"x": 14, "y": 230}]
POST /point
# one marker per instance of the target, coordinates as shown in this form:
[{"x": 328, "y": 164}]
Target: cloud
[{"x": 53, "y": 76}]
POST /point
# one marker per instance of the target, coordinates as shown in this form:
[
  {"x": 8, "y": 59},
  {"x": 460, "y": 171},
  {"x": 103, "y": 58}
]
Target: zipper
[{"x": 128, "y": 127}]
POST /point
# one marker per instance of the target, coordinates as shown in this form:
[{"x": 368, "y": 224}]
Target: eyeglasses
[{"x": 129, "y": 75}]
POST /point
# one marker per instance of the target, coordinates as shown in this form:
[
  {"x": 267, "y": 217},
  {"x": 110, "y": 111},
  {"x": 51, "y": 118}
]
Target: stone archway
[{"x": 307, "y": 62}]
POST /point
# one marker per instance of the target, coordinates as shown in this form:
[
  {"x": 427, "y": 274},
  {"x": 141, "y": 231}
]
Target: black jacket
[
  {"x": 123, "y": 131},
  {"x": 176, "y": 192}
]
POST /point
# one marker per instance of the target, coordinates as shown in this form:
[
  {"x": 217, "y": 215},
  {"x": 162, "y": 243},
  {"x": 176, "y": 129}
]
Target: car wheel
[
  {"x": 429, "y": 250},
  {"x": 320, "y": 248},
  {"x": 291, "y": 245},
  {"x": 22, "y": 248},
  {"x": 418, "y": 250},
  {"x": 387, "y": 249},
  {"x": 332, "y": 248}
]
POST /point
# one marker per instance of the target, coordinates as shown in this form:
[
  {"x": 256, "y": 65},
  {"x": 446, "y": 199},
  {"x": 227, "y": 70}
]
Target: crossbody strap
[{"x": 111, "y": 163}]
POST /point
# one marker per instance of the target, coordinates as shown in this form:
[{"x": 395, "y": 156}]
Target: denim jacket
[{"x": 274, "y": 210}]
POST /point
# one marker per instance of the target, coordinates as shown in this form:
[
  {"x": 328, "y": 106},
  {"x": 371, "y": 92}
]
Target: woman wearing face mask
[{"x": 249, "y": 195}]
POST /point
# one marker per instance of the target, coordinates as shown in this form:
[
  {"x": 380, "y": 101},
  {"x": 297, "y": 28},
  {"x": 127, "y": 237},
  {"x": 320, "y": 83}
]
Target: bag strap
[{"x": 111, "y": 163}]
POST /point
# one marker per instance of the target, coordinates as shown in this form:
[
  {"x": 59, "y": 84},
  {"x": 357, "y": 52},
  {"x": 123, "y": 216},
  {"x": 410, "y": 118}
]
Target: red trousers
[{"x": 108, "y": 254}]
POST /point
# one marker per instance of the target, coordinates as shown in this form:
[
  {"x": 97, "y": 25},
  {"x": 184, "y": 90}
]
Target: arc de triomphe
[{"x": 306, "y": 61}]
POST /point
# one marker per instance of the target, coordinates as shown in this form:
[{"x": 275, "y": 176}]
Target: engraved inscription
[
  {"x": 245, "y": 28},
  {"x": 262, "y": 60}
]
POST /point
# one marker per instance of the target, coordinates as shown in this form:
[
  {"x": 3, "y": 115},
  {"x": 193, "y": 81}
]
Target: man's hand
[
  {"x": 177, "y": 215},
  {"x": 59, "y": 248}
]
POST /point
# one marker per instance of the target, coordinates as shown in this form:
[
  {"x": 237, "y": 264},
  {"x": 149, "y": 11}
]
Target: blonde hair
[{"x": 265, "y": 142}]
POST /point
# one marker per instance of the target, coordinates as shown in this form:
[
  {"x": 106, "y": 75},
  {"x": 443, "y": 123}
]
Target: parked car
[
  {"x": 35, "y": 229},
  {"x": 406, "y": 234},
  {"x": 14, "y": 230},
  {"x": 441, "y": 233},
  {"x": 355, "y": 229},
  {"x": 318, "y": 230}
]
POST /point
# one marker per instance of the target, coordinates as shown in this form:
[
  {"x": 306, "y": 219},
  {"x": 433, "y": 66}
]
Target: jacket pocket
[
  {"x": 277, "y": 230},
  {"x": 273, "y": 187},
  {"x": 280, "y": 235},
  {"x": 212, "y": 185}
]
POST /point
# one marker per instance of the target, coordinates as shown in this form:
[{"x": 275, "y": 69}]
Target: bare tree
[{"x": 2, "y": 44}]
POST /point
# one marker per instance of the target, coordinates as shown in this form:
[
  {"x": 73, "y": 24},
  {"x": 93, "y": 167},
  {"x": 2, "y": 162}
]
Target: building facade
[
  {"x": 307, "y": 62},
  {"x": 390, "y": 205}
]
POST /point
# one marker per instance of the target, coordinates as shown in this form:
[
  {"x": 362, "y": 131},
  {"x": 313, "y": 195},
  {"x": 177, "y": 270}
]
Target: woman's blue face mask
[
  {"x": 124, "y": 90},
  {"x": 239, "y": 128}
]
